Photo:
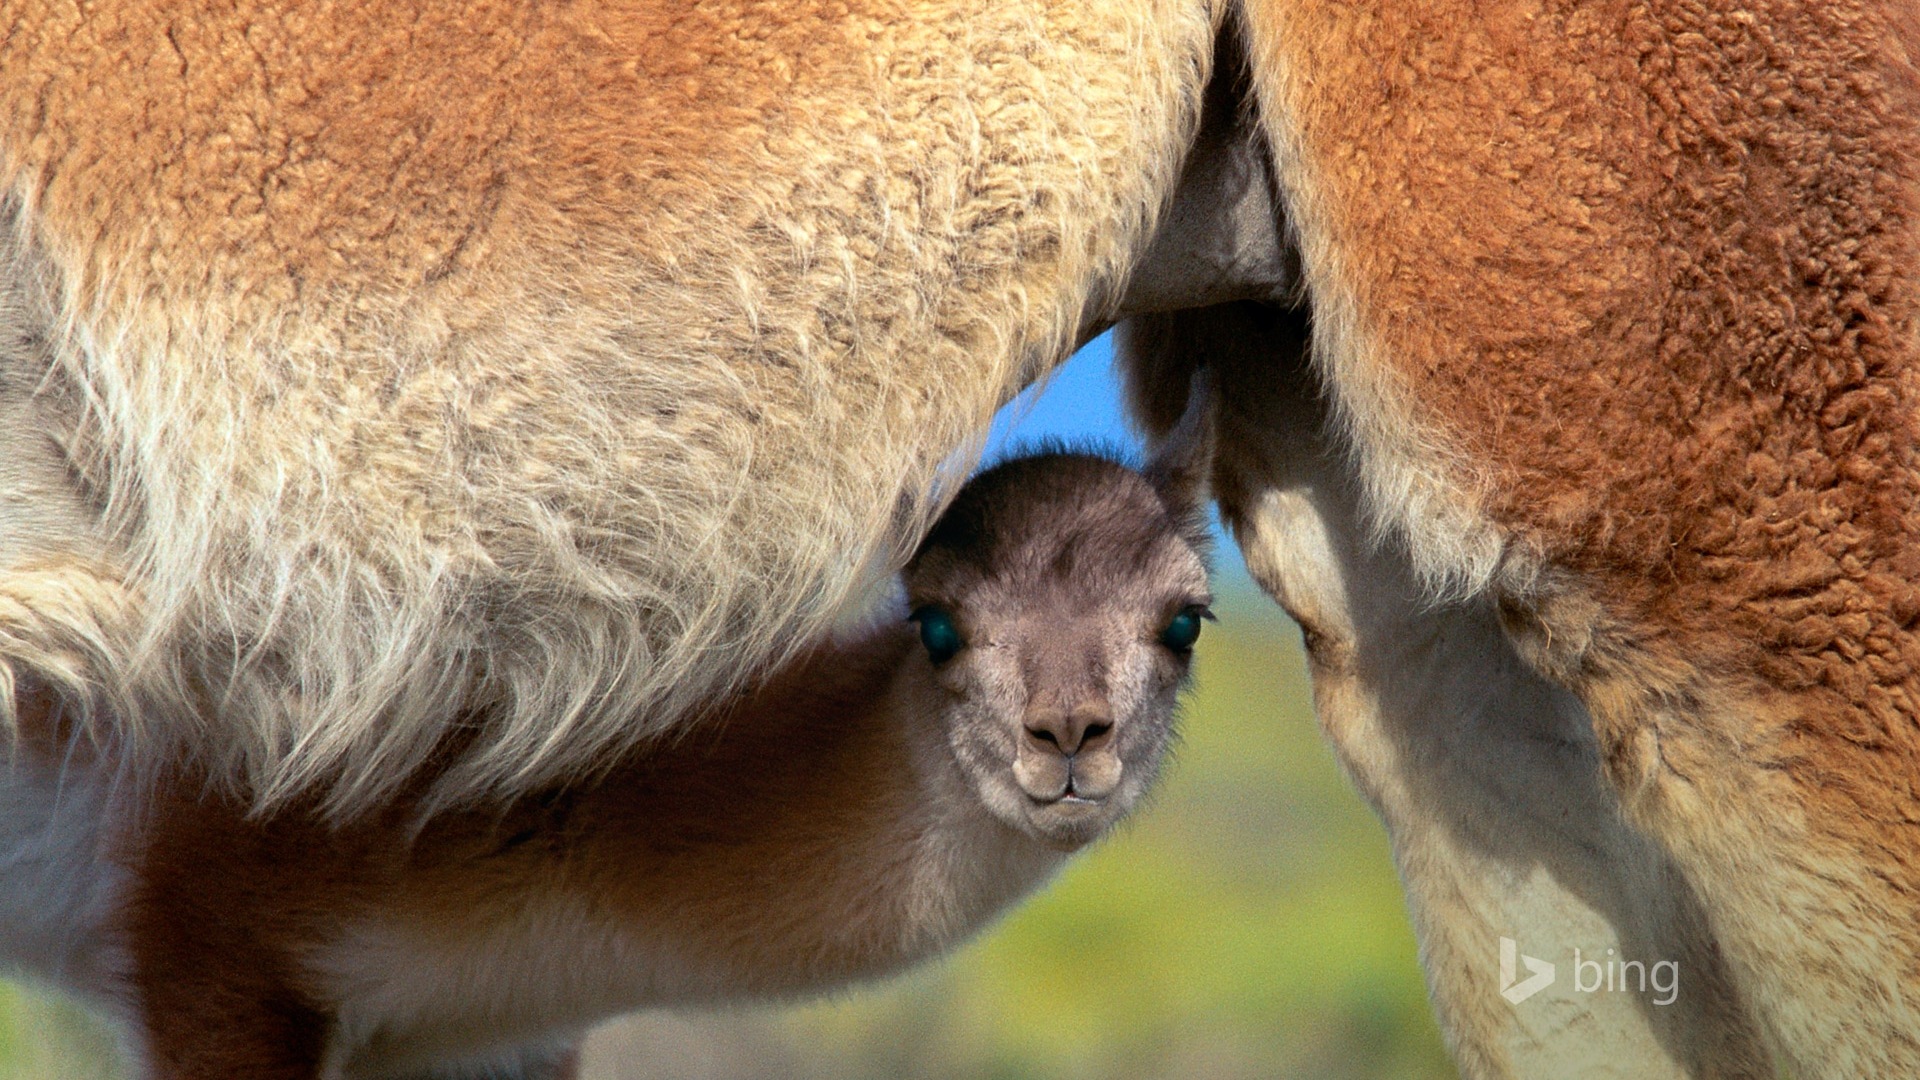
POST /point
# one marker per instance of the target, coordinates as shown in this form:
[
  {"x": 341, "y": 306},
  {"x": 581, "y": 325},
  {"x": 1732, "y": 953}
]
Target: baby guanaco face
[{"x": 1058, "y": 602}]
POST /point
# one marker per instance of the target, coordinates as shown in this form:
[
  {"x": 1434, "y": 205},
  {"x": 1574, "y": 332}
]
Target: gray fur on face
[{"x": 1062, "y": 573}]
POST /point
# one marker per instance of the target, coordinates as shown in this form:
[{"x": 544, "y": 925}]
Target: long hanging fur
[
  {"x": 529, "y": 368},
  {"x": 585, "y": 365},
  {"x": 869, "y": 805}
]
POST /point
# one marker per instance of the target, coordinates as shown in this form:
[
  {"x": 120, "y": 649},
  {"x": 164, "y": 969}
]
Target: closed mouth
[{"x": 1067, "y": 800}]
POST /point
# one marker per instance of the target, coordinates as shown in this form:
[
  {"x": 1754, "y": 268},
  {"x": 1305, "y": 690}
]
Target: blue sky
[{"x": 1082, "y": 401}]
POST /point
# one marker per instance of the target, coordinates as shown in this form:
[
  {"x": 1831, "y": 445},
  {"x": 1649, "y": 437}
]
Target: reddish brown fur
[
  {"x": 557, "y": 363},
  {"x": 706, "y": 842},
  {"x": 823, "y": 828},
  {"x": 1640, "y": 273},
  {"x": 381, "y": 154},
  {"x": 1686, "y": 357},
  {"x": 1648, "y": 271}
]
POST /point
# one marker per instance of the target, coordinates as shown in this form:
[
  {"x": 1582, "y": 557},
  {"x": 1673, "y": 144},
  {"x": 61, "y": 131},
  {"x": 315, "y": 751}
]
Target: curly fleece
[
  {"x": 552, "y": 367},
  {"x": 1618, "y": 304}
]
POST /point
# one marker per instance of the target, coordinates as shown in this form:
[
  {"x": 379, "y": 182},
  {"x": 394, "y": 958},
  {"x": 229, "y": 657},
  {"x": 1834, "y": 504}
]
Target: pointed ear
[{"x": 1181, "y": 464}]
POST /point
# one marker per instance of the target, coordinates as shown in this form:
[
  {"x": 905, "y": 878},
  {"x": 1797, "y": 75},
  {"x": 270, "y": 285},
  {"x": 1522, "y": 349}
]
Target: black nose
[{"x": 1070, "y": 730}]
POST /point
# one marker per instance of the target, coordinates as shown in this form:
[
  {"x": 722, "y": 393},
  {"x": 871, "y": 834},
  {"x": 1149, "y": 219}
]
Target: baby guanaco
[{"x": 871, "y": 804}]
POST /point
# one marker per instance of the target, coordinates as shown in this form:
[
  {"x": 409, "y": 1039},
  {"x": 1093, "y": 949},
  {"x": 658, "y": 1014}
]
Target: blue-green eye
[
  {"x": 938, "y": 633},
  {"x": 1184, "y": 630}
]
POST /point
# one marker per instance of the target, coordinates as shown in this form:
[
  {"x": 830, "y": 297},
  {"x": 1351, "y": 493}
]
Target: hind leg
[{"x": 1487, "y": 776}]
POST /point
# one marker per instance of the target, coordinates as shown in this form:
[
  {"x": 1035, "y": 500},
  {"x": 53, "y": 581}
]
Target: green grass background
[{"x": 1247, "y": 923}]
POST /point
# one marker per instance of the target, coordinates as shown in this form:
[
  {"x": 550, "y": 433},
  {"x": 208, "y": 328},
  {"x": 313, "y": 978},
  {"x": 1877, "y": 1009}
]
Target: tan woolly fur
[
  {"x": 1616, "y": 307},
  {"x": 872, "y": 803},
  {"x": 1486, "y": 774},
  {"x": 529, "y": 375},
  {"x": 440, "y": 362}
]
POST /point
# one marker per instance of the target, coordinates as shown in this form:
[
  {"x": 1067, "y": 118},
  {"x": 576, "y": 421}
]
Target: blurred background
[{"x": 1247, "y": 923}]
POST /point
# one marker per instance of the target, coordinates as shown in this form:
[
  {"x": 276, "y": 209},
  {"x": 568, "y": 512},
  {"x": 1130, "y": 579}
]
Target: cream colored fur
[
  {"x": 294, "y": 506},
  {"x": 1419, "y": 491},
  {"x": 1687, "y": 798},
  {"x": 412, "y": 996},
  {"x": 478, "y": 944},
  {"x": 1486, "y": 775},
  {"x": 594, "y": 470}
]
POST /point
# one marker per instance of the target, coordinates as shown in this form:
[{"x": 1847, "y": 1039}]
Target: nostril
[
  {"x": 1051, "y": 729},
  {"x": 1071, "y": 730}
]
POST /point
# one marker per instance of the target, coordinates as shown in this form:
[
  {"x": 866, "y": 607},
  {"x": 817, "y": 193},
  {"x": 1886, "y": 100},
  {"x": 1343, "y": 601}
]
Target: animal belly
[
  {"x": 410, "y": 994},
  {"x": 604, "y": 343}
]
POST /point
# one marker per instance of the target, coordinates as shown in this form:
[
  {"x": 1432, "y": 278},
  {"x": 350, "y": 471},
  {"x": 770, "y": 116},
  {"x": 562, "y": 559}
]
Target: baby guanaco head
[{"x": 1058, "y": 602}]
